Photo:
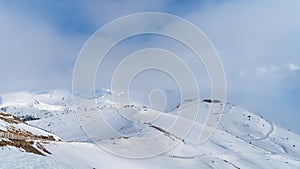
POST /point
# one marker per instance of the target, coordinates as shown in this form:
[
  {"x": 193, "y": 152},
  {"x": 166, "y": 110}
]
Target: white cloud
[
  {"x": 293, "y": 67},
  {"x": 33, "y": 55},
  {"x": 258, "y": 37},
  {"x": 261, "y": 70},
  {"x": 251, "y": 33},
  {"x": 267, "y": 69}
]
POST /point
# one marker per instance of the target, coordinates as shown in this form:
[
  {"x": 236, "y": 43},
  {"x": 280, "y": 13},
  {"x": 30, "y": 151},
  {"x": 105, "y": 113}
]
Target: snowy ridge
[{"x": 242, "y": 139}]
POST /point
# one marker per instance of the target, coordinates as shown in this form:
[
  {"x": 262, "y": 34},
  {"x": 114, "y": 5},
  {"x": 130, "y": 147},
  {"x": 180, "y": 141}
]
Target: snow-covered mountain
[{"x": 56, "y": 139}]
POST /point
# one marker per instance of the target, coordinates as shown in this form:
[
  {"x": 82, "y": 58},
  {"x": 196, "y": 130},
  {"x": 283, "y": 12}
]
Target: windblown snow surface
[{"x": 242, "y": 139}]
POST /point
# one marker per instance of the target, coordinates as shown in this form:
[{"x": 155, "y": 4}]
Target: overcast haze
[{"x": 258, "y": 43}]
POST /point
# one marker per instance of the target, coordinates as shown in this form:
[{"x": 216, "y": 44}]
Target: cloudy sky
[{"x": 258, "y": 42}]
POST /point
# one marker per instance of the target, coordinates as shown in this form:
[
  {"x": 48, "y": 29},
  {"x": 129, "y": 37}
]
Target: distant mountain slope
[{"x": 242, "y": 139}]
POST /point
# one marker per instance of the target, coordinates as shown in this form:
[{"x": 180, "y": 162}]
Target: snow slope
[{"x": 242, "y": 139}]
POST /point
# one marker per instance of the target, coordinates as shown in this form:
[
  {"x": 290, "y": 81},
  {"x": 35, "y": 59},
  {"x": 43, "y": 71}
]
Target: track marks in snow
[{"x": 235, "y": 166}]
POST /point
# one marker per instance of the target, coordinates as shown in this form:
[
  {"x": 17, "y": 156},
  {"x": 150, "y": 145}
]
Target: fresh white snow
[{"x": 242, "y": 139}]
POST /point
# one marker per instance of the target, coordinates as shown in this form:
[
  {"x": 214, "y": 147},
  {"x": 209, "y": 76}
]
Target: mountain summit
[{"x": 41, "y": 130}]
